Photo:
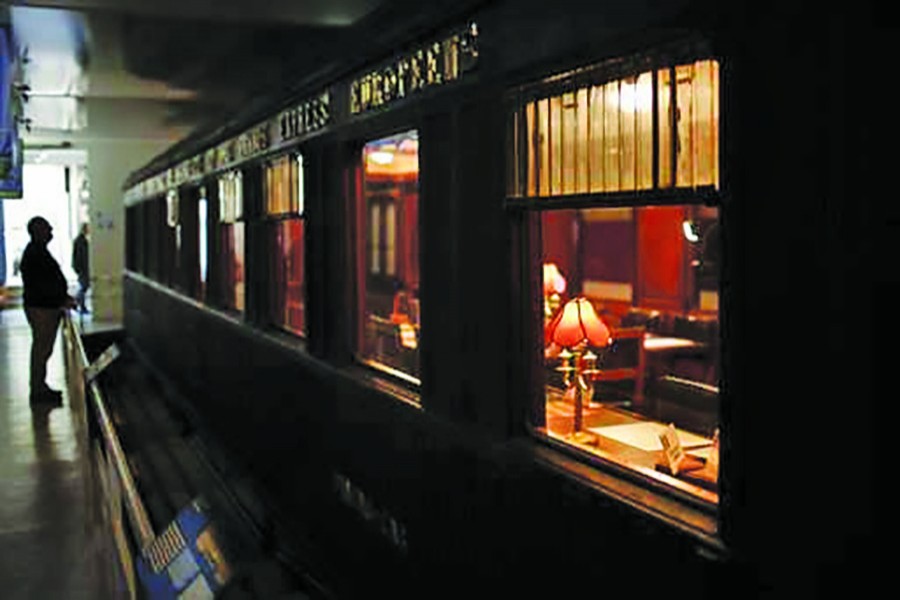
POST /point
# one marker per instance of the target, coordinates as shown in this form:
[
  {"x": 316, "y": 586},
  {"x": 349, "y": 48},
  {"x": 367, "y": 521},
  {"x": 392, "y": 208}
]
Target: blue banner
[{"x": 10, "y": 144}]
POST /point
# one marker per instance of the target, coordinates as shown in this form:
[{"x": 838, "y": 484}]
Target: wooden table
[{"x": 559, "y": 424}]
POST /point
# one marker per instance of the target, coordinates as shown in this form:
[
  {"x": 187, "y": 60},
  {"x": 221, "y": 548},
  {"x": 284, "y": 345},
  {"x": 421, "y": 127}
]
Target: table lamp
[
  {"x": 554, "y": 285},
  {"x": 574, "y": 328}
]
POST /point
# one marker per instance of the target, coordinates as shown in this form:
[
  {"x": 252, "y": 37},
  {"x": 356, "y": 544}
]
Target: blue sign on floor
[{"x": 186, "y": 561}]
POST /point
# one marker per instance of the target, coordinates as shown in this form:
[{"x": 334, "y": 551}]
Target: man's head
[
  {"x": 40, "y": 230},
  {"x": 85, "y": 228}
]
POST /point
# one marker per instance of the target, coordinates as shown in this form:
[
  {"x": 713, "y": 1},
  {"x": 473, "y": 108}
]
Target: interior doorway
[{"x": 54, "y": 186}]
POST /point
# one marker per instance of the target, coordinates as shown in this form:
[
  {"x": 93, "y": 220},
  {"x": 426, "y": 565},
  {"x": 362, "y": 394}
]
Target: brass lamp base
[{"x": 582, "y": 437}]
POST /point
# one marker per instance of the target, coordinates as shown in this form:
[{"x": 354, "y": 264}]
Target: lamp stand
[
  {"x": 581, "y": 389},
  {"x": 588, "y": 371},
  {"x": 566, "y": 367}
]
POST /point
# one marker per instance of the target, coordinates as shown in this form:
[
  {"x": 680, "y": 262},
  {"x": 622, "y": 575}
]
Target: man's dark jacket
[
  {"x": 45, "y": 286},
  {"x": 80, "y": 262}
]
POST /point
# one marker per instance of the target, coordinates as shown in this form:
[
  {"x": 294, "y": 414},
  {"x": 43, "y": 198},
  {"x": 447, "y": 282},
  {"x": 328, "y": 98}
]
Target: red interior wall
[
  {"x": 558, "y": 233},
  {"x": 661, "y": 257}
]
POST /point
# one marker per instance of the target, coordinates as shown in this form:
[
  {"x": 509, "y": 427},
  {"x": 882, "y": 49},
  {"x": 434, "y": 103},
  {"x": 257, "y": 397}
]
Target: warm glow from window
[
  {"x": 388, "y": 256},
  {"x": 231, "y": 197},
  {"x": 172, "y": 208},
  {"x": 285, "y": 230},
  {"x": 646, "y": 271},
  {"x": 287, "y": 305},
  {"x": 600, "y": 138},
  {"x": 232, "y": 265},
  {"x": 381, "y": 157},
  {"x": 231, "y": 236},
  {"x": 393, "y": 157},
  {"x": 203, "y": 216},
  {"x": 284, "y": 186}
]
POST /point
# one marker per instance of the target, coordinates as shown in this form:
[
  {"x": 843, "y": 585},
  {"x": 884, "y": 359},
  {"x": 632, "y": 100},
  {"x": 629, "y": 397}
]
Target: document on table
[{"x": 645, "y": 436}]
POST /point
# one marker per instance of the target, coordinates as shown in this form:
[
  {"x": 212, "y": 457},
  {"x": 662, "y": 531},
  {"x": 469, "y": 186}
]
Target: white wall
[{"x": 109, "y": 163}]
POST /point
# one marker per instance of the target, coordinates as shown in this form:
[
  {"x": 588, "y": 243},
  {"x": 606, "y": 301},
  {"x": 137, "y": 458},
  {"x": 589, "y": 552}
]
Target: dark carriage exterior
[{"x": 446, "y": 479}]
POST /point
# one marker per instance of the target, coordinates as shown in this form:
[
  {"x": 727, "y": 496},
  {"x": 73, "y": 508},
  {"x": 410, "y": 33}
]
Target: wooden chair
[{"x": 624, "y": 360}]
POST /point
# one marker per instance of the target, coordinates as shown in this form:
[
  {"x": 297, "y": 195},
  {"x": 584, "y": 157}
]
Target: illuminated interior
[
  {"x": 599, "y": 138},
  {"x": 388, "y": 260},
  {"x": 650, "y": 285},
  {"x": 284, "y": 209},
  {"x": 630, "y": 311},
  {"x": 231, "y": 236},
  {"x": 203, "y": 241}
]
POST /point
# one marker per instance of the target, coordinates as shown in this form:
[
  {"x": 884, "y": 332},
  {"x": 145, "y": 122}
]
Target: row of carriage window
[{"x": 630, "y": 287}]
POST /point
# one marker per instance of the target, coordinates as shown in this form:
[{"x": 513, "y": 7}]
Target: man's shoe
[{"x": 48, "y": 396}]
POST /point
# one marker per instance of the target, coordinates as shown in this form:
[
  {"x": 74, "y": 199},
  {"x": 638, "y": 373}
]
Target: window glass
[
  {"x": 202, "y": 219},
  {"x": 285, "y": 231},
  {"x": 388, "y": 257},
  {"x": 231, "y": 197},
  {"x": 231, "y": 236},
  {"x": 647, "y": 278},
  {"x": 232, "y": 265},
  {"x": 599, "y": 138},
  {"x": 284, "y": 186},
  {"x": 172, "y": 208},
  {"x": 169, "y": 239},
  {"x": 631, "y": 316}
]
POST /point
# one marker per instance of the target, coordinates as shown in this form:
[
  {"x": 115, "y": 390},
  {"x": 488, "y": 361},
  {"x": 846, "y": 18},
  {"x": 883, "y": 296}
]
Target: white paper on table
[{"x": 645, "y": 435}]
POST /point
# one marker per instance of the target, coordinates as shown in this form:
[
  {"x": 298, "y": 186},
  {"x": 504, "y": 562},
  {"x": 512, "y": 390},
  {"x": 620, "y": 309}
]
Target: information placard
[
  {"x": 186, "y": 560},
  {"x": 672, "y": 448}
]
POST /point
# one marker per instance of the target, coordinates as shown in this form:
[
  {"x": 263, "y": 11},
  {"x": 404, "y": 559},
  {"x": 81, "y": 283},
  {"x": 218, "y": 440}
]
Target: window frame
[
  {"x": 230, "y": 212},
  {"x": 204, "y": 241},
  {"x": 361, "y": 263},
  {"x": 295, "y": 211},
  {"x": 524, "y": 213}
]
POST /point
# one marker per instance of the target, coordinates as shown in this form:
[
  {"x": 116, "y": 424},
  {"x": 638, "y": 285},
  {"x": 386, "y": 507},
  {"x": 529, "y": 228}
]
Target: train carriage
[{"x": 508, "y": 300}]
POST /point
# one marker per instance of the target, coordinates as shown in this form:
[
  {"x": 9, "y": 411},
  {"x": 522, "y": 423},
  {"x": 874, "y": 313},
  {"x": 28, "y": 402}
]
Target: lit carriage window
[
  {"x": 172, "y": 237},
  {"x": 630, "y": 290},
  {"x": 600, "y": 138},
  {"x": 285, "y": 233},
  {"x": 172, "y": 208},
  {"x": 648, "y": 279},
  {"x": 388, "y": 256},
  {"x": 231, "y": 237},
  {"x": 203, "y": 243}
]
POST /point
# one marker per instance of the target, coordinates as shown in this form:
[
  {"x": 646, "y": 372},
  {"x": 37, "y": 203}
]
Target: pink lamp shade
[
  {"x": 576, "y": 322},
  {"x": 554, "y": 282}
]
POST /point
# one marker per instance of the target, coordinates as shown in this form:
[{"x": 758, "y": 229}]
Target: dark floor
[{"x": 51, "y": 542}]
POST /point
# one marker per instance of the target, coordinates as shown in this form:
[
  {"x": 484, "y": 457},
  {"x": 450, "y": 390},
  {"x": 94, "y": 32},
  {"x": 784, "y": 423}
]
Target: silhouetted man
[
  {"x": 82, "y": 267},
  {"x": 45, "y": 296}
]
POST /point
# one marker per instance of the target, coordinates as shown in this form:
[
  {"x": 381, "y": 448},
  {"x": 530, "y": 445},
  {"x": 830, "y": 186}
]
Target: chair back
[{"x": 624, "y": 360}]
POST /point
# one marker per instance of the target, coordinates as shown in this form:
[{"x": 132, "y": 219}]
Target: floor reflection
[{"x": 45, "y": 538}]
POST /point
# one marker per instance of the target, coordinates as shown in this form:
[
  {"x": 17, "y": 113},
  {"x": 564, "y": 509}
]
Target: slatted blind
[{"x": 655, "y": 129}]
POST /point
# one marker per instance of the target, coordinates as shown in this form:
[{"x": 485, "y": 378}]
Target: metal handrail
[{"x": 134, "y": 507}]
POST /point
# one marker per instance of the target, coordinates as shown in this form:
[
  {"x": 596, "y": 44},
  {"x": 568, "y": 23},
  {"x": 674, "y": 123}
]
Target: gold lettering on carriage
[
  {"x": 306, "y": 117},
  {"x": 430, "y": 66}
]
